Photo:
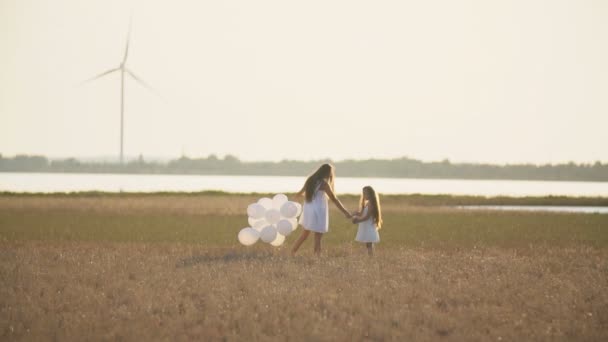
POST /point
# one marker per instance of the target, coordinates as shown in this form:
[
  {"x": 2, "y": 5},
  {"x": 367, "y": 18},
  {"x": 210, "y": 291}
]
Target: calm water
[
  {"x": 550, "y": 208},
  {"x": 61, "y": 182}
]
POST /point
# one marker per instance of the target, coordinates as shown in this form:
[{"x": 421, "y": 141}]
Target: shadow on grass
[{"x": 231, "y": 256}]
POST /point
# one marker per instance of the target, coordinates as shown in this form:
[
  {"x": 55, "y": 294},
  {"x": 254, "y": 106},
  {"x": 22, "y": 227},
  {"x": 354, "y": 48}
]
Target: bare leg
[
  {"x": 300, "y": 240},
  {"x": 318, "y": 237},
  {"x": 370, "y": 249}
]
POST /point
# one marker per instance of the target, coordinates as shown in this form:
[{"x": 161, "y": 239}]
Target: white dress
[
  {"x": 315, "y": 214},
  {"x": 367, "y": 232}
]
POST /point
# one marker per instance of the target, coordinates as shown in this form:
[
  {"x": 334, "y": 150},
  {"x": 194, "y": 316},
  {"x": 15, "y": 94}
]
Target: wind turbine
[{"x": 122, "y": 68}]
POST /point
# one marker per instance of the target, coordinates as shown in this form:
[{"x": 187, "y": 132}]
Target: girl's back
[{"x": 368, "y": 230}]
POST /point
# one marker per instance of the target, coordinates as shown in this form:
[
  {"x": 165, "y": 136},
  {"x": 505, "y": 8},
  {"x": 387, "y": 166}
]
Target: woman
[{"x": 315, "y": 212}]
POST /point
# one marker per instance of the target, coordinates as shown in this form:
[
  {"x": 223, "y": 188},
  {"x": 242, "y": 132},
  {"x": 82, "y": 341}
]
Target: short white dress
[
  {"x": 315, "y": 214},
  {"x": 367, "y": 232}
]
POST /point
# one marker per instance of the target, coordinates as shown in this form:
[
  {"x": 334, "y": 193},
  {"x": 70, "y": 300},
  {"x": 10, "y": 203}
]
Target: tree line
[{"x": 392, "y": 168}]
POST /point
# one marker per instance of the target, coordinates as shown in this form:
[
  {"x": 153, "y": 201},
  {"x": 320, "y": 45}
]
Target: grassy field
[{"x": 169, "y": 267}]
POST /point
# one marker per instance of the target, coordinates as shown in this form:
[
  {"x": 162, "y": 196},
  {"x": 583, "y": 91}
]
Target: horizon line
[{"x": 160, "y": 158}]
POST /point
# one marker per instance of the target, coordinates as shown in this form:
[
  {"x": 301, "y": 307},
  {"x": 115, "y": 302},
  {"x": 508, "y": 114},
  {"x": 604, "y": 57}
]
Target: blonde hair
[
  {"x": 324, "y": 172},
  {"x": 374, "y": 204}
]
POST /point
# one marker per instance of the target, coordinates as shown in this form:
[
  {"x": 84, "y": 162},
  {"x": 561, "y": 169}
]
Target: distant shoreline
[
  {"x": 297, "y": 175},
  {"x": 378, "y": 168},
  {"x": 405, "y": 199}
]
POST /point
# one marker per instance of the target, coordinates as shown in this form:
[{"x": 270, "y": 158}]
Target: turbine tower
[{"x": 122, "y": 68}]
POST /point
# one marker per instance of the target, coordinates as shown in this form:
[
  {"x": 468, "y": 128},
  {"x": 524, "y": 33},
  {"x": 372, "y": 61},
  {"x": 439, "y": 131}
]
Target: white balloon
[
  {"x": 248, "y": 236},
  {"x": 273, "y": 216},
  {"x": 256, "y": 211},
  {"x": 262, "y": 217},
  {"x": 285, "y": 226},
  {"x": 265, "y": 202},
  {"x": 278, "y": 240},
  {"x": 260, "y": 224},
  {"x": 252, "y": 221},
  {"x": 278, "y": 200},
  {"x": 268, "y": 234},
  {"x": 289, "y": 209}
]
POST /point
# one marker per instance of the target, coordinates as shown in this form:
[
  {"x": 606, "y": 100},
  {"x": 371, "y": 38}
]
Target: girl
[
  {"x": 369, "y": 219},
  {"x": 315, "y": 213}
]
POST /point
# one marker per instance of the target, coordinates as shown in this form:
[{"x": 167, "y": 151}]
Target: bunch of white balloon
[{"x": 270, "y": 220}]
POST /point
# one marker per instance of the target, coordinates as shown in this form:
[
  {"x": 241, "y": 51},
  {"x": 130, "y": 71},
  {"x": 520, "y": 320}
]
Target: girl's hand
[
  {"x": 348, "y": 215},
  {"x": 354, "y": 220}
]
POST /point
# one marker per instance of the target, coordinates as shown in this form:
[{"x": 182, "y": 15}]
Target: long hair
[
  {"x": 324, "y": 172},
  {"x": 374, "y": 204}
]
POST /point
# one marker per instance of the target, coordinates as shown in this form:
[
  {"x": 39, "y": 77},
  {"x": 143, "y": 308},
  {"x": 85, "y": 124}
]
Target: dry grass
[
  {"x": 438, "y": 275},
  {"x": 222, "y": 204},
  {"x": 133, "y": 291}
]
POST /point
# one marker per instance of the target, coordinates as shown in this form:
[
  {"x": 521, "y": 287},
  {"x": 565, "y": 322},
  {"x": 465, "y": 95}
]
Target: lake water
[
  {"x": 549, "y": 208},
  {"x": 73, "y": 182}
]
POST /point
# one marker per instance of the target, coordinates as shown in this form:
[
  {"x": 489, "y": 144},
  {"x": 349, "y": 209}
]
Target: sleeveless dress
[
  {"x": 315, "y": 214},
  {"x": 367, "y": 232}
]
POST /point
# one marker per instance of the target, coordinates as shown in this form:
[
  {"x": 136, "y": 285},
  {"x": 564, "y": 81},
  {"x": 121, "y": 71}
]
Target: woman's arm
[
  {"x": 301, "y": 192},
  {"x": 325, "y": 187}
]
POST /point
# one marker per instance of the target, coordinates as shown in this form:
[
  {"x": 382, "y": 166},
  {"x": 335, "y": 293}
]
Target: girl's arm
[
  {"x": 359, "y": 219},
  {"x": 365, "y": 217},
  {"x": 325, "y": 187}
]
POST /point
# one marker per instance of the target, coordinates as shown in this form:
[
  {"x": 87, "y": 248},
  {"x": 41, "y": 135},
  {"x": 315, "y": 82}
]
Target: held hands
[{"x": 353, "y": 216}]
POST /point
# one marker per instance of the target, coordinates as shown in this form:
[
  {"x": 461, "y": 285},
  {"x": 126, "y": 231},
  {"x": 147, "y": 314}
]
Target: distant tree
[
  {"x": 26, "y": 163},
  {"x": 400, "y": 167},
  {"x": 231, "y": 159}
]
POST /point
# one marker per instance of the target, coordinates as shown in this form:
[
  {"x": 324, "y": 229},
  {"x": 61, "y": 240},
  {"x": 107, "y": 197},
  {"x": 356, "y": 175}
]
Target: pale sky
[{"x": 483, "y": 81}]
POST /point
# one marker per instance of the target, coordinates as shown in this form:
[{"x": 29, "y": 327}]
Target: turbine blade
[
  {"x": 99, "y": 76},
  {"x": 144, "y": 84},
  {"x": 124, "y": 59}
]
